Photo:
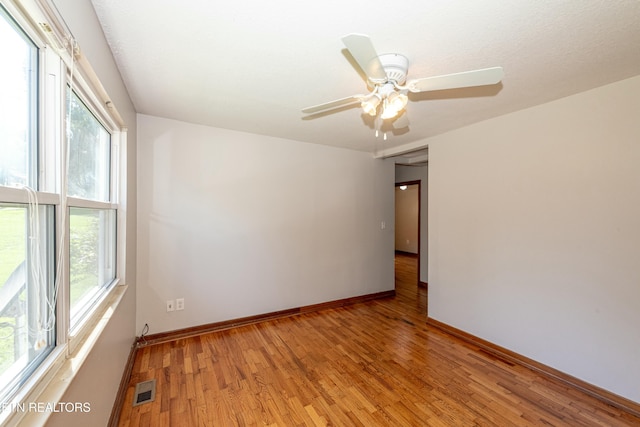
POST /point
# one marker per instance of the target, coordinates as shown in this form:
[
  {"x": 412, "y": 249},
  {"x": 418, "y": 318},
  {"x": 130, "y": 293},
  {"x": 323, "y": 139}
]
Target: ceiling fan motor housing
[{"x": 395, "y": 66}]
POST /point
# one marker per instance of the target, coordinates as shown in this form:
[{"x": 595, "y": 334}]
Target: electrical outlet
[
  {"x": 171, "y": 305},
  {"x": 180, "y": 304}
]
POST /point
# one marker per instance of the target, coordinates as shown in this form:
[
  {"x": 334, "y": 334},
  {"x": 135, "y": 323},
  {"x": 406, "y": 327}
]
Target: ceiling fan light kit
[
  {"x": 393, "y": 104},
  {"x": 370, "y": 104},
  {"x": 387, "y": 79}
]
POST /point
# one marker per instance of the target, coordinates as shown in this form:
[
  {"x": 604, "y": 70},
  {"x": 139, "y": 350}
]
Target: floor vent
[{"x": 145, "y": 392}]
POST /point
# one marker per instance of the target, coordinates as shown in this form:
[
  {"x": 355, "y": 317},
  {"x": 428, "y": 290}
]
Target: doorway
[
  {"x": 408, "y": 243},
  {"x": 407, "y": 221}
]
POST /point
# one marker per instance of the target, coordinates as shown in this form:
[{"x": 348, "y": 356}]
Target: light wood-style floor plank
[{"x": 371, "y": 364}]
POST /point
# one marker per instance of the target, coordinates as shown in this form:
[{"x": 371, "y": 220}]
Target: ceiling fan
[{"x": 387, "y": 78}]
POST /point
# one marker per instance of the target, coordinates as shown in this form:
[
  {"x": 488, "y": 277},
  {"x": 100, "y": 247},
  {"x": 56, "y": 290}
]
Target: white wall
[
  {"x": 239, "y": 224},
  {"x": 419, "y": 173},
  {"x": 99, "y": 378},
  {"x": 406, "y": 224},
  {"x": 535, "y": 234}
]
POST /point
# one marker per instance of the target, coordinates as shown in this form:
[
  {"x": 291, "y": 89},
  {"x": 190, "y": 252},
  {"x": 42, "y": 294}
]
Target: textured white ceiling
[{"x": 253, "y": 65}]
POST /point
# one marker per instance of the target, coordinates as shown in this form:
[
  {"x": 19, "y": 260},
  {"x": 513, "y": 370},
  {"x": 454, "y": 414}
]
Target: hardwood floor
[
  {"x": 411, "y": 296},
  {"x": 370, "y": 364}
]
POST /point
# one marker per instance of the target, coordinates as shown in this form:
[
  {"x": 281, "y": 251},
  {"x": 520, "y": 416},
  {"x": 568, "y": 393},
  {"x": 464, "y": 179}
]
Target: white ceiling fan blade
[
  {"x": 333, "y": 104},
  {"x": 362, "y": 50},
  {"x": 485, "y": 76}
]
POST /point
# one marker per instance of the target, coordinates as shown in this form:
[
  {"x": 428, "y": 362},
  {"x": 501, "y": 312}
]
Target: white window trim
[
  {"x": 19, "y": 195},
  {"x": 75, "y": 202},
  {"x": 40, "y": 20}
]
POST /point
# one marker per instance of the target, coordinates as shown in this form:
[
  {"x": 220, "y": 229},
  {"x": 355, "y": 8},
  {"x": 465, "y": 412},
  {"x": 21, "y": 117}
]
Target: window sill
[{"x": 48, "y": 384}]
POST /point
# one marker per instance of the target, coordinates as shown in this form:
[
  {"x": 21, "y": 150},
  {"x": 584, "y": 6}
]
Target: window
[
  {"x": 91, "y": 257},
  {"x": 89, "y": 152},
  {"x": 59, "y": 207},
  {"x": 92, "y": 230},
  {"x": 18, "y": 74},
  {"x": 27, "y": 308}
]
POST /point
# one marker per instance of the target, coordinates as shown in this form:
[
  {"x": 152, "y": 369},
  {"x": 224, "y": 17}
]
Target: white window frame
[
  {"x": 61, "y": 64},
  {"x": 78, "y": 86}
]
